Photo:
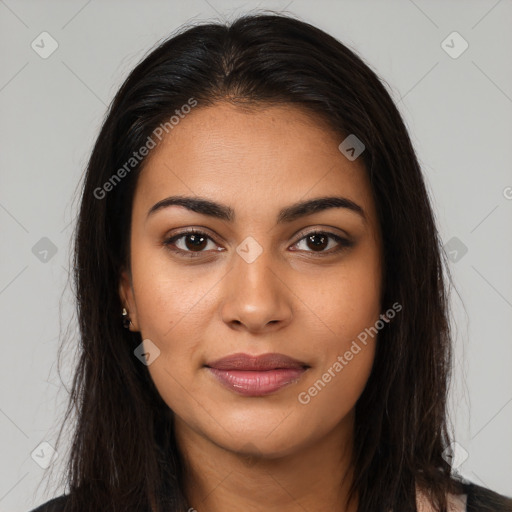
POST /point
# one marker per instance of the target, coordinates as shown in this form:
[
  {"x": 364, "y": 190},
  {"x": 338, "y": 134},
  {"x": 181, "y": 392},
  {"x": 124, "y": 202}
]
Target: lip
[
  {"x": 270, "y": 361},
  {"x": 257, "y": 375},
  {"x": 257, "y": 383}
]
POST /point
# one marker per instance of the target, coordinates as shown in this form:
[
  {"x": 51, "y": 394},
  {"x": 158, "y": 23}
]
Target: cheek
[
  {"x": 167, "y": 297},
  {"x": 332, "y": 392},
  {"x": 344, "y": 301},
  {"x": 173, "y": 311},
  {"x": 344, "y": 351},
  {"x": 346, "y": 310},
  {"x": 169, "y": 314}
]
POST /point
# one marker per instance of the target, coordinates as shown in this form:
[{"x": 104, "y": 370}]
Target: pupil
[
  {"x": 197, "y": 240},
  {"x": 320, "y": 245}
]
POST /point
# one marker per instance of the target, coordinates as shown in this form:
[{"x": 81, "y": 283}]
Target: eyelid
[
  {"x": 169, "y": 240},
  {"x": 191, "y": 231},
  {"x": 344, "y": 242},
  {"x": 325, "y": 230}
]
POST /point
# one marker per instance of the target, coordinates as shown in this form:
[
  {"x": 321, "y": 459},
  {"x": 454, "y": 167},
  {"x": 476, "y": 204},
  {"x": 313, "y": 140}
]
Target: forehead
[{"x": 251, "y": 158}]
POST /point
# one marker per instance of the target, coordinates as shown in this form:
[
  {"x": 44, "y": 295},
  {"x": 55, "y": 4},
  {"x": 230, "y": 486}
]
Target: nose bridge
[
  {"x": 254, "y": 268},
  {"x": 255, "y": 294}
]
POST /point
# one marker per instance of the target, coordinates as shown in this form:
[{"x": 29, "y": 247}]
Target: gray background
[{"x": 458, "y": 111}]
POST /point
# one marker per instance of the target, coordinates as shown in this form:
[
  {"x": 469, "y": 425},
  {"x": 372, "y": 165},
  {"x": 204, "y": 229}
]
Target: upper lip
[{"x": 270, "y": 361}]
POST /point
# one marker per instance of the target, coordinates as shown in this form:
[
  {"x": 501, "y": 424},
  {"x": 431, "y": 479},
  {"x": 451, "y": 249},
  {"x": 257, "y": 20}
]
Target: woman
[{"x": 261, "y": 290}]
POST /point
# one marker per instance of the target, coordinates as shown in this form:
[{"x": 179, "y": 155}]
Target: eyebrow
[{"x": 286, "y": 215}]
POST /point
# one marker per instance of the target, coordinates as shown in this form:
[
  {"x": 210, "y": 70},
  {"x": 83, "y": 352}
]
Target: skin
[{"x": 265, "y": 453}]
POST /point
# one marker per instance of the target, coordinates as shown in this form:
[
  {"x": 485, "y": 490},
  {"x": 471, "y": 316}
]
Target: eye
[
  {"x": 192, "y": 243},
  {"x": 320, "y": 240}
]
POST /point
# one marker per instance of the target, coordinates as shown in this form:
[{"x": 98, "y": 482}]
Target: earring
[{"x": 126, "y": 319}]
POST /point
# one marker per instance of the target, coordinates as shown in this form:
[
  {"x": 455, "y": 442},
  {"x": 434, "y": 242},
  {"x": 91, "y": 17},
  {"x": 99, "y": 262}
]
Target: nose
[{"x": 256, "y": 296}]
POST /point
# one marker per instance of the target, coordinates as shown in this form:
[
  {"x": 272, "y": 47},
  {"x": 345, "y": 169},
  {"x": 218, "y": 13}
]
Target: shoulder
[
  {"x": 53, "y": 505},
  {"x": 482, "y": 499},
  {"x": 470, "y": 498}
]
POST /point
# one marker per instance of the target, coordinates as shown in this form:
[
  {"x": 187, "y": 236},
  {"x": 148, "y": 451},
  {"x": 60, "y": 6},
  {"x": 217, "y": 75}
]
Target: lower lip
[{"x": 257, "y": 383}]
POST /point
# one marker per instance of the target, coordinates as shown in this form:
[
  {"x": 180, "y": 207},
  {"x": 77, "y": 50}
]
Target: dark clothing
[
  {"x": 479, "y": 499},
  {"x": 55, "y": 505}
]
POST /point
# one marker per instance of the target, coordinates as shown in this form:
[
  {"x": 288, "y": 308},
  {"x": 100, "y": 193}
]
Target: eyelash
[{"x": 168, "y": 243}]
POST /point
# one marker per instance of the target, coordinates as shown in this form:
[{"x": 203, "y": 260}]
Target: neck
[{"x": 313, "y": 477}]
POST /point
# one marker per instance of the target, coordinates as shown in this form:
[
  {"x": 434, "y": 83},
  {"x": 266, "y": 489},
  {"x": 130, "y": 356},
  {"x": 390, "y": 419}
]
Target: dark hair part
[{"x": 124, "y": 455}]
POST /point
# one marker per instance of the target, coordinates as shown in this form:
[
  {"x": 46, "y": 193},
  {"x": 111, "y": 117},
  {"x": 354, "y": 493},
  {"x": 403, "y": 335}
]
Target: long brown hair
[{"x": 124, "y": 455}]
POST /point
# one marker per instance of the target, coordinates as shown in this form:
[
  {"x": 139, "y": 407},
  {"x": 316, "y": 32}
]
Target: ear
[{"x": 127, "y": 298}]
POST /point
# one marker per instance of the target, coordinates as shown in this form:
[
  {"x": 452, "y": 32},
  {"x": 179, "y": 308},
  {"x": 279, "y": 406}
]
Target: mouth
[
  {"x": 270, "y": 361},
  {"x": 257, "y": 375}
]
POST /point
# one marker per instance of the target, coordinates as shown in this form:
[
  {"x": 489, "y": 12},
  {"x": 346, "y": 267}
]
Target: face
[{"x": 263, "y": 277}]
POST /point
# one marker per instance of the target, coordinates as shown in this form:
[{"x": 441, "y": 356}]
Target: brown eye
[
  {"x": 188, "y": 242},
  {"x": 195, "y": 242},
  {"x": 318, "y": 241}
]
